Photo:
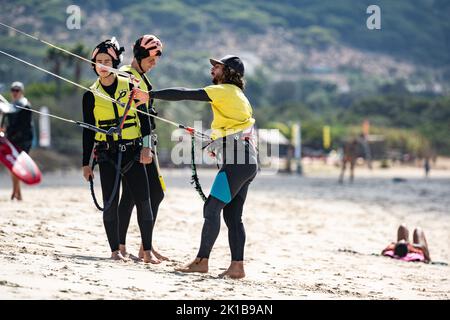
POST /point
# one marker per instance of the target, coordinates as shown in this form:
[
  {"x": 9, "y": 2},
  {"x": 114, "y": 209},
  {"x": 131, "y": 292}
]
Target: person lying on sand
[{"x": 403, "y": 250}]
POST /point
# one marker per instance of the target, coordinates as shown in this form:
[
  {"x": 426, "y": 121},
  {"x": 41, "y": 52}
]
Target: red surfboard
[{"x": 19, "y": 162}]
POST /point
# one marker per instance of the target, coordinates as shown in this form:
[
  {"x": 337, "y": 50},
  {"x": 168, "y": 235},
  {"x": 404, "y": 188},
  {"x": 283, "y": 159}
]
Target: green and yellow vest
[{"x": 105, "y": 115}]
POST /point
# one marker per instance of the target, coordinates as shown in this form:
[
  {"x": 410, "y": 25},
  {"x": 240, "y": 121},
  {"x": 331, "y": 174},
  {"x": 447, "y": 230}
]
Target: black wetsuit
[
  {"x": 135, "y": 176},
  {"x": 127, "y": 203},
  {"x": 230, "y": 187},
  {"x": 19, "y": 126}
]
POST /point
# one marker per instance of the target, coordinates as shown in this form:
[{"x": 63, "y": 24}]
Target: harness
[
  {"x": 101, "y": 150},
  {"x": 100, "y": 154},
  {"x": 218, "y": 148}
]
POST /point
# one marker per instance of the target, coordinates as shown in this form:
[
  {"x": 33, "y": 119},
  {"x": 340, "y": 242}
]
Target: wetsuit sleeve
[
  {"x": 88, "y": 135},
  {"x": 146, "y": 129},
  {"x": 144, "y": 120},
  {"x": 178, "y": 94},
  {"x": 3, "y": 122},
  {"x": 25, "y": 121}
]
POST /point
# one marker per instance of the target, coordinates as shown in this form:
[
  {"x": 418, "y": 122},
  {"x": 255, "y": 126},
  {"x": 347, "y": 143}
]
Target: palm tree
[
  {"x": 56, "y": 58},
  {"x": 81, "y": 50}
]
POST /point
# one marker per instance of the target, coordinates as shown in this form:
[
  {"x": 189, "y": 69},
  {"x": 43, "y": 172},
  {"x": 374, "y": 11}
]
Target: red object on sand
[{"x": 19, "y": 162}]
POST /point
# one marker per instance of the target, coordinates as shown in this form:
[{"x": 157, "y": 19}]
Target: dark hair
[
  {"x": 232, "y": 77},
  {"x": 401, "y": 249}
]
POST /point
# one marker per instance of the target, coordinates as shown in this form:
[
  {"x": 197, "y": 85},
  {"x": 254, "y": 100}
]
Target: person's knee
[
  {"x": 212, "y": 208},
  {"x": 157, "y": 197},
  {"x": 418, "y": 234},
  {"x": 126, "y": 204},
  {"x": 402, "y": 233},
  {"x": 233, "y": 212},
  {"x": 228, "y": 219},
  {"x": 233, "y": 221},
  {"x": 144, "y": 210},
  {"x": 110, "y": 214}
]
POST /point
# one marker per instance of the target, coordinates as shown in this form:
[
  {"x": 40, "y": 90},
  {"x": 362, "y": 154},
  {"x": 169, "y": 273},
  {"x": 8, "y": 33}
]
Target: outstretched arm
[{"x": 178, "y": 94}]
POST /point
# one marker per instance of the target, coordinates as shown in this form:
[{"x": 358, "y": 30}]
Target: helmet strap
[{"x": 140, "y": 66}]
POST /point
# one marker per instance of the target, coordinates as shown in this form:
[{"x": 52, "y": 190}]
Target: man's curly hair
[{"x": 232, "y": 77}]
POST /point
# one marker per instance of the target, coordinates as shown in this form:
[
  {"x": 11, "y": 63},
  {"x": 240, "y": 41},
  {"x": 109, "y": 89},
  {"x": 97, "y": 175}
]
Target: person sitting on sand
[{"x": 403, "y": 250}]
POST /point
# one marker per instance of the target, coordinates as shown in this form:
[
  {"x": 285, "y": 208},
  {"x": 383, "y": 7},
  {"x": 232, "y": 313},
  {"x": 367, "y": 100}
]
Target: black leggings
[
  {"x": 136, "y": 178},
  {"x": 127, "y": 203},
  {"x": 229, "y": 192}
]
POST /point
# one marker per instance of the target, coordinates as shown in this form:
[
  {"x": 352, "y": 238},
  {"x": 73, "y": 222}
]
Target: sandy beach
[{"x": 307, "y": 238}]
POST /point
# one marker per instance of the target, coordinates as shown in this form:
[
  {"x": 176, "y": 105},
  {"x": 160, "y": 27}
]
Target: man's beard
[{"x": 216, "y": 80}]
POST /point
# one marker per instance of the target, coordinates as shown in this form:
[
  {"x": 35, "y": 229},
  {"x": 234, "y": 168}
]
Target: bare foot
[
  {"x": 141, "y": 252},
  {"x": 235, "y": 271},
  {"x": 149, "y": 258},
  {"x": 159, "y": 256},
  {"x": 133, "y": 257},
  {"x": 117, "y": 256},
  {"x": 16, "y": 196},
  {"x": 124, "y": 253},
  {"x": 123, "y": 249},
  {"x": 198, "y": 265}
]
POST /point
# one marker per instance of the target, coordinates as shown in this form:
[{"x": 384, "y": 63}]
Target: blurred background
[{"x": 313, "y": 68}]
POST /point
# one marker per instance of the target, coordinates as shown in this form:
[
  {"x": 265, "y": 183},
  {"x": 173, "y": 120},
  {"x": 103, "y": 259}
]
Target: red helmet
[{"x": 147, "y": 46}]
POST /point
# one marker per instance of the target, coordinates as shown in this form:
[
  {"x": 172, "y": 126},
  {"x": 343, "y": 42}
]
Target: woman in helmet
[
  {"x": 146, "y": 51},
  {"x": 122, "y": 152}
]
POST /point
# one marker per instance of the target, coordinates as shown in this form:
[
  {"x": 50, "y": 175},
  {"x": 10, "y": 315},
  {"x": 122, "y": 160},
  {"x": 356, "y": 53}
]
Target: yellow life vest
[
  {"x": 105, "y": 114},
  {"x": 143, "y": 86},
  {"x": 134, "y": 72}
]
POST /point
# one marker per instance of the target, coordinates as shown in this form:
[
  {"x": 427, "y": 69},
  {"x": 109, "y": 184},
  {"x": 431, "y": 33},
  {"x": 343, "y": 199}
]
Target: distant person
[
  {"x": 18, "y": 128},
  {"x": 427, "y": 166},
  {"x": 403, "y": 250},
  {"x": 349, "y": 157}
]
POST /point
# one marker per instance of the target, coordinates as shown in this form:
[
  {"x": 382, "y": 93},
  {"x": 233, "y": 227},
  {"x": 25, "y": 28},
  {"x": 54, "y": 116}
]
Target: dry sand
[{"x": 307, "y": 238}]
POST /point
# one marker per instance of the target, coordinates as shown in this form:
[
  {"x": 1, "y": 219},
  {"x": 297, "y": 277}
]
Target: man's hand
[
  {"x": 211, "y": 154},
  {"x": 142, "y": 96},
  {"x": 146, "y": 156},
  {"x": 87, "y": 172}
]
